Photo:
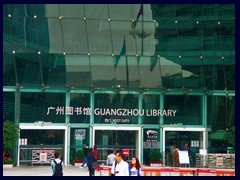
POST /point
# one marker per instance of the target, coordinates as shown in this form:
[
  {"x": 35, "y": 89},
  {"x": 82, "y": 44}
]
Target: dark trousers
[{"x": 91, "y": 169}]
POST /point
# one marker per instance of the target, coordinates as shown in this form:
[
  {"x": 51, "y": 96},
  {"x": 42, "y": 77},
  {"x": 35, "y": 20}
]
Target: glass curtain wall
[
  {"x": 109, "y": 55},
  {"x": 154, "y": 46}
]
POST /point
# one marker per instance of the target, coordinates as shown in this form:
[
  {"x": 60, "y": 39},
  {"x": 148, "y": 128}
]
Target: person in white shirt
[
  {"x": 122, "y": 167},
  {"x": 111, "y": 158}
]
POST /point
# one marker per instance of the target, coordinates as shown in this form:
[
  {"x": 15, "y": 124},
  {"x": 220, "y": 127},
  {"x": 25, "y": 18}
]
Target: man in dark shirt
[{"x": 85, "y": 151}]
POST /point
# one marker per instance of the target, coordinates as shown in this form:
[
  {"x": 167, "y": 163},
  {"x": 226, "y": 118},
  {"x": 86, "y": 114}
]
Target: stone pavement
[
  {"x": 46, "y": 171},
  {"x": 147, "y": 171}
]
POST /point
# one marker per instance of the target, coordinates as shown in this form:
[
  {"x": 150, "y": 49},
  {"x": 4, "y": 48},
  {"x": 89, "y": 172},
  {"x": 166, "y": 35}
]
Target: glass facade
[
  {"x": 116, "y": 108},
  {"x": 8, "y": 106},
  {"x": 79, "y": 103},
  {"x": 86, "y": 68},
  {"x": 48, "y": 107},
  {"x": 189, "y": 110}
]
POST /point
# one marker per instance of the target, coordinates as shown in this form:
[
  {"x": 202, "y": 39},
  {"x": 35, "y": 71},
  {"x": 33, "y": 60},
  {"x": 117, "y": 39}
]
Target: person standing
[
  {"x": 176, "y": 157},
  {"x": 187, "y": 148},
  {"x": 172, "y": 148},
  {"x": 135, "y": 167},
  {"x": 90, "y": 162},
  {"x": 85, "y": 151},
  {"x": 56, "y": 165},
  {"x": 110, "y": 158},
  {"x": 95, "y": 152},
  {"x": 122, "y": 167}
]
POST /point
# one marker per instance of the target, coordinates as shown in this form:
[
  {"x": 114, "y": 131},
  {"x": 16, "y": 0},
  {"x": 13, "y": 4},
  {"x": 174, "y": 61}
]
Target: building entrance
[
  {"x": 108, "y": 140},
  {"x": 38, "y": 146},
  {"x": 191, "y": 141}
]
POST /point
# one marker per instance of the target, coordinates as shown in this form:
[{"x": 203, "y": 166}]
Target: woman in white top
[{"x": 135, "y": 167}]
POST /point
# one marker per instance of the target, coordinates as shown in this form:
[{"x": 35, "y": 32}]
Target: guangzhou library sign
[
  {"x": 110, "y": 112},
  {"x": 134, "y": 112}
]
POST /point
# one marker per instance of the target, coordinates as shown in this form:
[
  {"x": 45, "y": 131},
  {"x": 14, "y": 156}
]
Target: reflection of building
[{"x": 71, "y": 59}]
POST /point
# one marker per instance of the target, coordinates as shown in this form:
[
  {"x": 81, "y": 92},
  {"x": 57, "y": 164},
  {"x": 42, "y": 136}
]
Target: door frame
[
  {"x": 32, "y": 127},
  {"x": 116, "y": 128},
  {"x": 186, "y": 129}
]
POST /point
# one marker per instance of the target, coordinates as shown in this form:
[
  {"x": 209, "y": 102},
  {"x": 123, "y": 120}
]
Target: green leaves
[
  {"x": 155, "y": 155},
  {"x": 10, "y": 135},
  {"x": 79, "y": 155}
]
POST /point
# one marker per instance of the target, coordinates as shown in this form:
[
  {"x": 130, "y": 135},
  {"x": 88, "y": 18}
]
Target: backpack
[{"x": 58, "y": 168}]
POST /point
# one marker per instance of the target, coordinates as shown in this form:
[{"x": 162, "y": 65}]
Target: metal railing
[
  {"x": 219, "y": 161},
  {"x": 29, "y": 156}
]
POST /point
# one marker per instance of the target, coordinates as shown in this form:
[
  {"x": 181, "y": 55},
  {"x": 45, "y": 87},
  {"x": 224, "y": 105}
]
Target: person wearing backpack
[{"x": 56, "y": 165}]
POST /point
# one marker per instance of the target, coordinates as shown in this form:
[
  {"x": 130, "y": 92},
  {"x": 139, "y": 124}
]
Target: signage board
[
  {"x": 126, "y": 152},
  {"x": 183, "y": 157}
]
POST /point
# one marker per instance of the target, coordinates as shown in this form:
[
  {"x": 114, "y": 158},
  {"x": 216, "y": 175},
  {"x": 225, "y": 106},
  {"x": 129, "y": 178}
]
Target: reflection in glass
[
  {"x": 144, "y": 33},
  {"x": 124, "y": 9},
  {"x": 54, "y": 70},
  {"x": 71, "y": 10},
  {"x": 99, "y": 38},
  {"x": 9, "y": 106},
  {"x": 230, "y": 72},
  {"x": 48, "y": 107},
  {"x": 139, "y": 30},
  {"x": 18, "y": 31},
  {"x": 74, "y": 39},
  {"x": 214, "y": 73},
  {"x": 78, "y": 71},
  {"x": 171, "y": 72},
  {"x": 116, "y": 101},
  {"x": 150, "y": 78},
  {"x": 192, "y": 72},
  {"x": 51, "y": 10},
  {"x": 127, "y": 72},
  {"x": 188, "y": 109},
  {"x": 43, "y": 30},
  {"x": 43, "y": 137},
  {"x": 121, "y": 32},
  {"x": 103, "y": 74},
  {"x": 150, "y": 102},
  {"x": 80, "y": 104},
  {"x": 99, "y": 11},
  {"x": 54, "y": 34},
  {"x": 221, "y": 122},
  {"x": 28, "y": 69},
  {"x": 9, "y": 74}
]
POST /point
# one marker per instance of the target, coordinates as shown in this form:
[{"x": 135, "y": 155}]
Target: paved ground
[
  {"x": 46, "y": 171},
  {"x": 76, "y": 171}
]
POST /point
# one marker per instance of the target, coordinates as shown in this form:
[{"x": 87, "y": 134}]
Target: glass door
[
  {"x": 110, "y": 140},
  {"x": 35, "y": 142},
  {"x": 191, "y": 141}
]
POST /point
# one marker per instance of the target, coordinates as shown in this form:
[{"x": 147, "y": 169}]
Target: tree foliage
[
  {"x": 10, "y": 135},
  {"x": 79, "y": 155},
  {"x": 155, "y": 155}
]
